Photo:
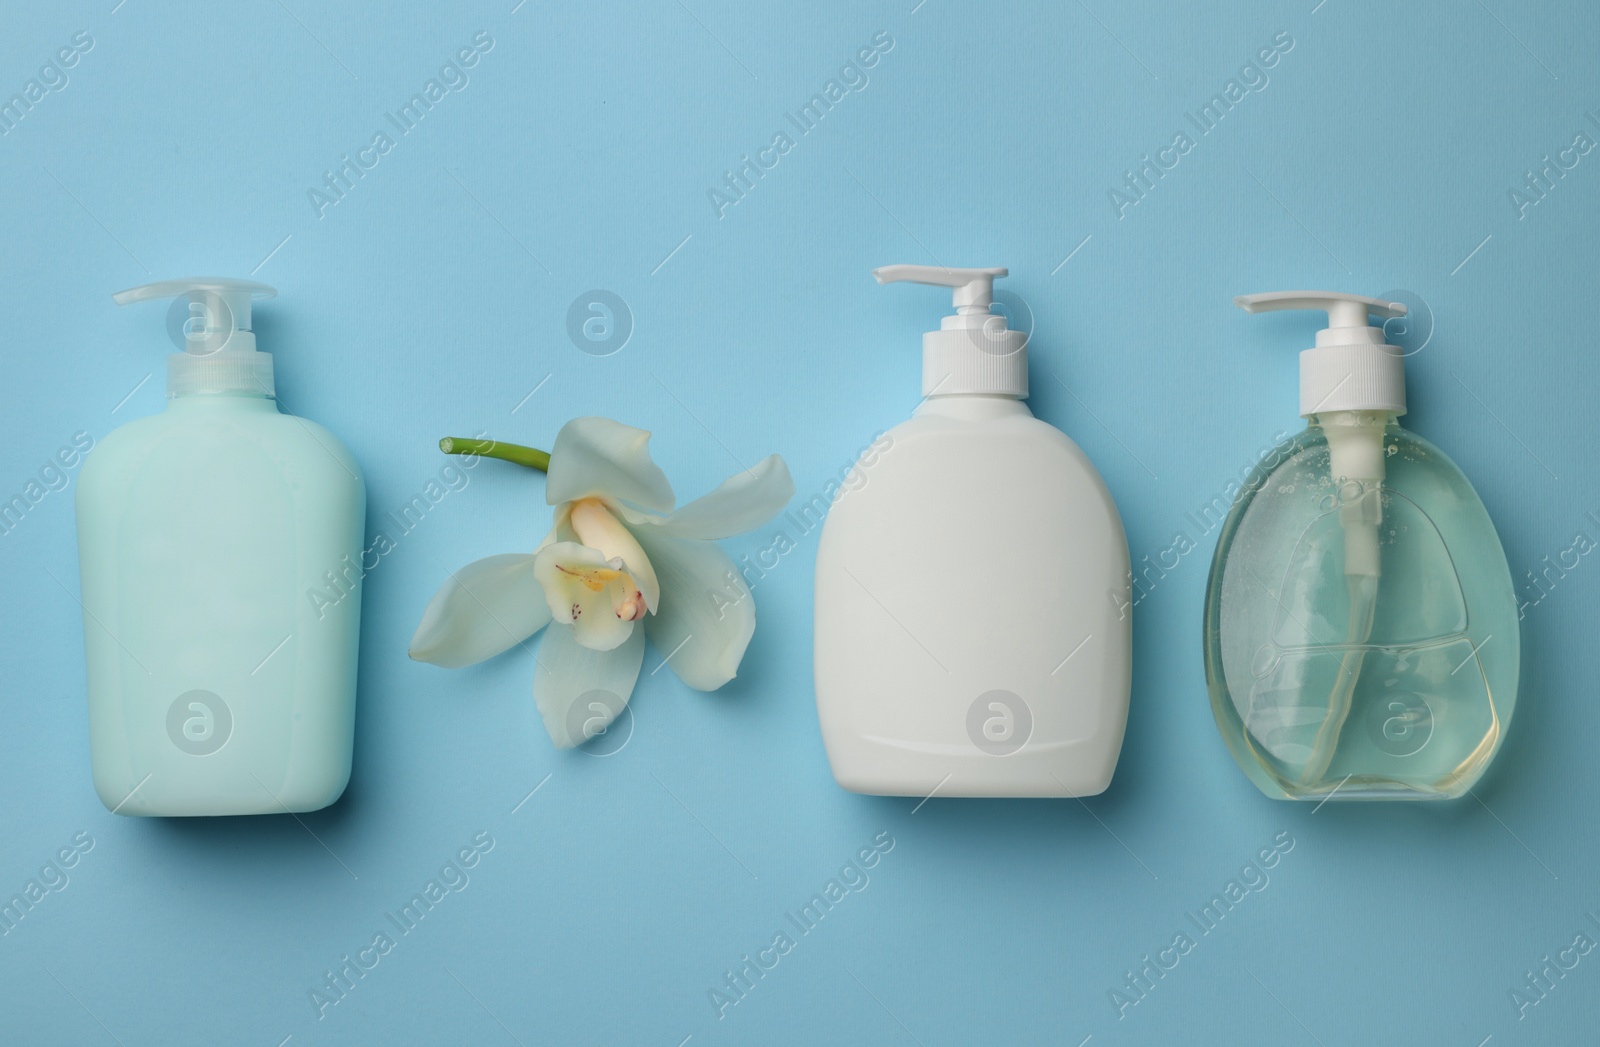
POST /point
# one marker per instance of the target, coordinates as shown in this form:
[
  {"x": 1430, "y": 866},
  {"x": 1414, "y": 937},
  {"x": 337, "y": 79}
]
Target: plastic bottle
[
  {"x": 1361, "y": 637},
  {"x": 972, "y": 634},
  {"x": 219, "y": 549}
]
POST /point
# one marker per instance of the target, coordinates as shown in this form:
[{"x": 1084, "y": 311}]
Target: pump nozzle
[
  {"x": 1351, "y": 368},
  {"x": 974, "y": 288},
  {"x": 973, "y": 351},
  {"x": 219, "y": 349},
  {"x": 1344, "y": 310}
]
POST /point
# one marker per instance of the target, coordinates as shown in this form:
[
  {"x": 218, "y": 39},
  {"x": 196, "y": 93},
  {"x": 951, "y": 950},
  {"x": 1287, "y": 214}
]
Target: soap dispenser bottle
[
  {"x": 220, "y": 555},
  {"x": 1361, "y": 637},
  {"x": 972, "y": 635}
]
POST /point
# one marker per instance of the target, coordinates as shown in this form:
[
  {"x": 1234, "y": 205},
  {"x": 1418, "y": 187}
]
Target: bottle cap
[
  {"x": 1352, "y": 367},
  {"x": 219, "y": 350},
  {"x": 973, "y": 351}
]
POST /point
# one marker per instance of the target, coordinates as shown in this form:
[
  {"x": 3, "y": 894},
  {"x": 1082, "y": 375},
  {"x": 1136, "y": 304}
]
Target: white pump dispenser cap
[
  {"x": 1352, "y": 367},
  {"x": 973, "y": 351},
  {"x": 219, "y": 350}
]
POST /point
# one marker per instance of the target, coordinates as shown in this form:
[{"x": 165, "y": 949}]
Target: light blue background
[{"x": 434, "y": 297}]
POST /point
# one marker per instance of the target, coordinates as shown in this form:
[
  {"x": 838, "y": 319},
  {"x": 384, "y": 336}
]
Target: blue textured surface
[{"x": 1377, "y": 154}]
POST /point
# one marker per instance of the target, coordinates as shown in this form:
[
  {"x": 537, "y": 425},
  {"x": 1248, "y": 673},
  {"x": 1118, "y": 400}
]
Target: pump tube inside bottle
[{"x": 1356, "y": 463}]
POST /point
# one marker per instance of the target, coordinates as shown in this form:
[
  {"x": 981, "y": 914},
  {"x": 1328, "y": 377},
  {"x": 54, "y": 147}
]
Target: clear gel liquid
[{"x": 1395, "y": 687}]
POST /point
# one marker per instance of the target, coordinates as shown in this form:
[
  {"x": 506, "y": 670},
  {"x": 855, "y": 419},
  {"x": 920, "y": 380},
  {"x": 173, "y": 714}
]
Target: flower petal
[
  {"x": 579, "y": 690},
  {"x": 594, "y": 595},
  {"x": 707, "y": 614},
  {"x": 487, "y": 607},
  {"x": 595, "y": 527},
  {"x": 560, "y": 527},
  {"x": 743, "y": 502},
  {"x": 599, "y": 457}
]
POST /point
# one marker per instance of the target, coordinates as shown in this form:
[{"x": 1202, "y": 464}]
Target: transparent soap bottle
[{"x": 1361, "y": 626}]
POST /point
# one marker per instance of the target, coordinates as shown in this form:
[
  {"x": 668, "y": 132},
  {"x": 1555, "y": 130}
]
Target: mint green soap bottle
[
  {"x": 1361, "y": 627},
  {"x": 219, "y": 547}
]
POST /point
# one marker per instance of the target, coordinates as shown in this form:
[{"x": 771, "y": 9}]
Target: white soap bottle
[{"x": 973, "y": 633}]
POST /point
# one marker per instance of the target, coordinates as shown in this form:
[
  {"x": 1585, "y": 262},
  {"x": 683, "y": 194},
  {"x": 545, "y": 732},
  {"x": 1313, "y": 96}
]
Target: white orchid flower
[{"x": 618, "y": 565}]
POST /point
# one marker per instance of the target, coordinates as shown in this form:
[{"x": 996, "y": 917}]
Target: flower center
[{"x": 595, "y": 578}]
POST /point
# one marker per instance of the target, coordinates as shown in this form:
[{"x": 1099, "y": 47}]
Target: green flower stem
[{"x": 531, "y": 457}]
